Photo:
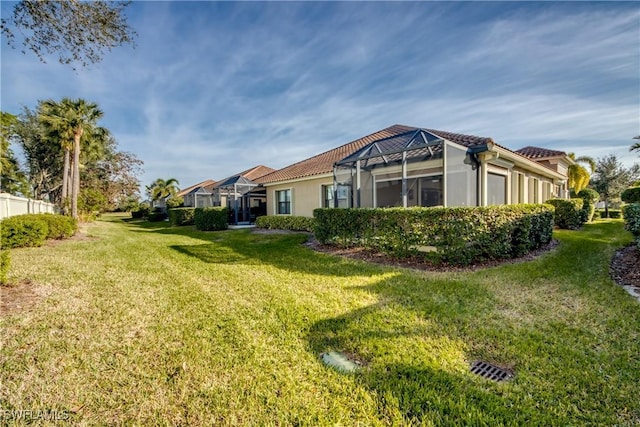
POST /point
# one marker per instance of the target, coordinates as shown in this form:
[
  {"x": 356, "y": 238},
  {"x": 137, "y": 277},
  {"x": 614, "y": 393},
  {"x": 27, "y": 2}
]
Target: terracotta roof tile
[
  {"x": 252, "y": 174},
  {"x": 537, "y": 153},
  {"x": 207, "y": 185},
  {"x": 323, "y": 163}
]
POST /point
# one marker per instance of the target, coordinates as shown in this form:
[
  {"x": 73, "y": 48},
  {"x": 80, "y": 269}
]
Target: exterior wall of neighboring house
[
  {"x": 461, "y": 170},
  {"x": 305, "y": 195},
  {"x": 499, "y": 181}
]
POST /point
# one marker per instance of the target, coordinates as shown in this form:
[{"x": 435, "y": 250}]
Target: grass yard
[{"x": 152, "y": 325}]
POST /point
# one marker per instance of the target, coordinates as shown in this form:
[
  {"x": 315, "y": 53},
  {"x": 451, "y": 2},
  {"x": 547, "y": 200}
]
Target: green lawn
[{"x": 147, "y": 324}]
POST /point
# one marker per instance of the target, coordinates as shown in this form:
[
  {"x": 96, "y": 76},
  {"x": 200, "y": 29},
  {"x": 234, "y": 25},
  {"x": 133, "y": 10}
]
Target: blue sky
[{"x": 213, "y": 88}]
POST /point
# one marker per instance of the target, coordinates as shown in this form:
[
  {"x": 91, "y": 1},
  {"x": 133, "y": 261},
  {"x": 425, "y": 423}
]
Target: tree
[
  {"x": 43, "y": 157},
  {"x": 114, "y": 175},
  {"x": 12, "y": 178},
  {"x": 578, "y": 176},
  {"x": 636, "y": 146},
  {"x": 611, "y": 178},
  {"x": 162, "y": 189},
  {"x": 76, "y": 31},
  {"x": 73, "y": 120}
]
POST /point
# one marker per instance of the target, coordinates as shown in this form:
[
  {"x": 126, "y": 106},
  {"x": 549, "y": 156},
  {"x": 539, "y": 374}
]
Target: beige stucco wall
[{"x": 305, "y": 195}]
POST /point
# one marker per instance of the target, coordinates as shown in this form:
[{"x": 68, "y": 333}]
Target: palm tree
[
  {"x": 636, "y": 146},
  {"x": 578, "y": 176},
  {"x": 162, "y": 189},
  {"x": 74, "y": 121}
]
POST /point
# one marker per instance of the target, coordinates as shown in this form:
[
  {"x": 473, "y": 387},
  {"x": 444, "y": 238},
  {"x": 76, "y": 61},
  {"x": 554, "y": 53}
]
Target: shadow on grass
[
  {"x": 418, "y": 340},
  {"x": 283, "y": 251}
]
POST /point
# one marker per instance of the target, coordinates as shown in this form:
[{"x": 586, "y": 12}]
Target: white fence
[{"x": 14, "y": 205}]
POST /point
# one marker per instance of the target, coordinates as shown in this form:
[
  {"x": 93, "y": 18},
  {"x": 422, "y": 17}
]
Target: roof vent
[{"x": 491, "y": 372}]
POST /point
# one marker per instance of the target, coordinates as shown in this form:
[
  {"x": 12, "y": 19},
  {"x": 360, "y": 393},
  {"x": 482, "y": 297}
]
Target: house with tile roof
[
  {"x": 198, "y": 195},
  {"x": 242, "y": 194},
  {"x": 409, "y": 166}
]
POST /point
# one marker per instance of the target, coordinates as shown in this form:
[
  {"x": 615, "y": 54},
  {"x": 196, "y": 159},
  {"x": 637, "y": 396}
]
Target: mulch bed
[
  {"x": 625, "y": 267},
  {"x": 419, "y": 263}
]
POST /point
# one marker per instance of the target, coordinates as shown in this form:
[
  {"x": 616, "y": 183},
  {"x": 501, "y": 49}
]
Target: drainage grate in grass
[
  {"x": 339, "y": 361},
  {"x": 491, "y": 372}
]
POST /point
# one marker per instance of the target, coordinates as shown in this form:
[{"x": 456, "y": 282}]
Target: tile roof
[
  {"x": 207, "y": 185},
  {"x": 537, "y": 153},
  {"x": 252, "y": 174},
  {"x": 323, "y": 163}
]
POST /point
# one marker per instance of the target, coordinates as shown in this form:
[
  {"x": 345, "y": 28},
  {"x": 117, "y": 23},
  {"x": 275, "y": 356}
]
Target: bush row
[
  {"x": 181, "y": 216},
  {"x": 295, "y": 223},
  {"x": 632, "y": 220},
  {"x": 568, "y": 213},
  {"x": 209, "y": 219},
  {"x": 458, "y": 236},
  {"x": 33, "y": 229},
  {"x": 613, "y": 213}
]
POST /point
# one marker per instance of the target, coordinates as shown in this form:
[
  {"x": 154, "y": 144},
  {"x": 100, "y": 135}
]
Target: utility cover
[
  {"x": 490, "y": 371},
  {"x": 338, "y": 361}
]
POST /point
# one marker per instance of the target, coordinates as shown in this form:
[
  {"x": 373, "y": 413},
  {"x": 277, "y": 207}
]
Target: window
[
  {"x": 283, "y": 198},
  {"x": 496, "y": 186},
  {"x": 344, "y": 196}
]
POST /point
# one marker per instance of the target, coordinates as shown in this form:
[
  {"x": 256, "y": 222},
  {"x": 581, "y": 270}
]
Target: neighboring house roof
[
  {"x": 251, "y": 174},
  {"x": 206, "y": 185},
  {"x": 537, "y": 153},
  {"x": 323, "y": 163}
]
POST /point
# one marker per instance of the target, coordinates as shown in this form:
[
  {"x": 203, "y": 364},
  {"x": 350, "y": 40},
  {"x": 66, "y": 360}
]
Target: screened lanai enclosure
[
  {"x": 244, "y": 199},
  {"x": 415, "y": 168}
]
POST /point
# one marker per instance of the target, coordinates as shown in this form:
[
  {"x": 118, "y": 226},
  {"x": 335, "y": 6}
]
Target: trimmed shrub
[
  {"x": 141, "y": 211},
  {"x": 294, "y": 223},
  {"x": 157, "y": 215},
  {"x": 181, "y": 216},
  {"x": 452, "y": 235},
  {"x": 590, "y": 197},
  {"x": 209, "y": 219},
  {"x": 631, "y": 195},
  {"x": 568, "y": 213},
  {"x": 58, "y": 226},
  {"x": 632, "y": 220},
  {"x": 23, "y": 231},
  {"x": 5, "y": 262}
]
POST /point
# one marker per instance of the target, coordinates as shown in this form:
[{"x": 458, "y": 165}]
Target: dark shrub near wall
[
  {"x": 209, "y": 219},
  {"x": 452, "y": 235},
  {"x": 181, "y": 216},
  {"x": 568, "y": 213},
  {"x": 33, "y": 229}
]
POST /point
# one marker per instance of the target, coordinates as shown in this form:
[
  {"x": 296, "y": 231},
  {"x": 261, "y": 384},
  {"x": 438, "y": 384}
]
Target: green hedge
[
  {"x": 632, "y": 220},
  {"x": 181, "y": 216},
  {"x": 631, "y": 195},
  {"x": 295, "y": 223},
  {"x": 613, "y": 213},
  {"x": 5, "y": 262},
  {"x": 23, "y": 231},
  {"x": 208, "y": 219},
  {"x": 58, "y": 226},
  {"x": 140, "y": 212},
  {"x": 568, "y": 213},
  {"x": 452, "y": 235},
  {"x": 590, "y": 198}
]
